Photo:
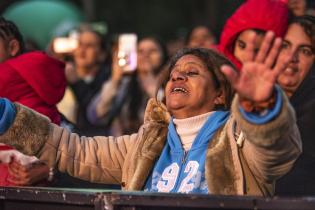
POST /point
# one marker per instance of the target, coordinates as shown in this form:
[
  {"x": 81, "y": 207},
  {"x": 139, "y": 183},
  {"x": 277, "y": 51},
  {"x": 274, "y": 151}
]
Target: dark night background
[
  {"x": 165, "y": 18},
  {"x": 168, "y": 19}
]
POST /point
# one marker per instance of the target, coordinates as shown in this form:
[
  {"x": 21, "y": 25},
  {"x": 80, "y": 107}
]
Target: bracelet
[
  {"x": 250, "y": 106},
  {"x": 51, "y": 174}
]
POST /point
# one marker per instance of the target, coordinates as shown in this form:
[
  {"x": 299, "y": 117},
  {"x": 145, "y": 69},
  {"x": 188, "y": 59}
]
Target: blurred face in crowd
[
  {"x": 89, "y": 53},
  {"x": 190, "y": 90},
  {"x": 298, "y": 42},
  {"x": 8, "y": 49},
  {"x": 201, "y": 37},
  {"x": 242, "y": 41},
  {"x": 149, "y": 55},
  {"x": 297, "y": 7}
]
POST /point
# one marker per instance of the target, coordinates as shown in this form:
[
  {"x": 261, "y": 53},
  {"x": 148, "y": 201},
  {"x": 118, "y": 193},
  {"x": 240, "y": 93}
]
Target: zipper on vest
[
  {"x": 184, "y": 158},
  {"x": 181, "y": 171}
]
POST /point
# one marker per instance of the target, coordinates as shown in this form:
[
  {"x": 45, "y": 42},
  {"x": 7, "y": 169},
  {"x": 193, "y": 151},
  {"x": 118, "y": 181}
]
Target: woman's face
[
  {"x": 297, "y": 42},
  {"x": 190, "y": 90},
  {"x": 89, "y": 53},
  {"x": 149, "y": 55},
  {"x": 242, "y": 41},
  {"x": 201, "y": 37}
]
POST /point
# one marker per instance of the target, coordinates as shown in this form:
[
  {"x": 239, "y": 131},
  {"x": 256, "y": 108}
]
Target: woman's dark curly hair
[{"x": 213, "y": 60}]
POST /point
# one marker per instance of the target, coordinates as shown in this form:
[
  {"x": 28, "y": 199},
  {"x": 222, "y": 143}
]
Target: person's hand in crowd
[
  {"x": 71, "y": 73},
  {"x": 27, "y": 175},
  {"x": 117, "y": 71},
  {"x": 51, "y": 52},
  {"x": 257, "y": 78}
]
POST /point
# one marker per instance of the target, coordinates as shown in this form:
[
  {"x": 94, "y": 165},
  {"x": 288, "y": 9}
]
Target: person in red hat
[
  {"x": 252, "y": 16},
  {"x": 34, "y": 80}
]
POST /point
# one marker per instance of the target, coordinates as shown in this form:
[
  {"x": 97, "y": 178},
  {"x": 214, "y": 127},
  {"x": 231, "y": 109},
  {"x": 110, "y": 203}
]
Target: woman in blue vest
[{"x": 194, "y": 144}]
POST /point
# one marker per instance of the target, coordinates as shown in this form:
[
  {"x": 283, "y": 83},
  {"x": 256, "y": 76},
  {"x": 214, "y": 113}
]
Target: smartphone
[
  {"x": 127, "y": 52},
  {"x": 65, "y": 44}
]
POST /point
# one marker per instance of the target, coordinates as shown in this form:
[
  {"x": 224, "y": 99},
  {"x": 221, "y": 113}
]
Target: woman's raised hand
[{"x": 255, "y": 82}]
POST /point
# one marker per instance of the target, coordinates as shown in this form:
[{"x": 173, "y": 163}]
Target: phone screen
[
  {"x": 127, "y": 52},
  {"x": 65, "y": 44}
]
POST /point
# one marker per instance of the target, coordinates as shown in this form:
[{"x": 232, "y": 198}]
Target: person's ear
[
  {"x": 220, "y": 99},
  {"x": 14, "y": 47}
]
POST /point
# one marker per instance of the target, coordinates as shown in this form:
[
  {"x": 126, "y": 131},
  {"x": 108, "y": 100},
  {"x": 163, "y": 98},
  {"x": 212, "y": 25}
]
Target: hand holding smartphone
[
  {"x": 127, "y": 52},
  {"x": 64, "y": 45}
]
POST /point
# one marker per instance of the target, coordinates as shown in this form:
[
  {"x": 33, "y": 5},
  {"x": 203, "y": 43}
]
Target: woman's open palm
[{"x": 259, "y": 73}]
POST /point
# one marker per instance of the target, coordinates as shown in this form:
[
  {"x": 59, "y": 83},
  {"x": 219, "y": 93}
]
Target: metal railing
[{"x": 84, "y": 199}]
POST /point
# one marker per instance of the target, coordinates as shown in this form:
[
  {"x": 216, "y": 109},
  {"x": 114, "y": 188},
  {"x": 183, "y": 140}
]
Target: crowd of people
[{"x": 228, "y": 117}]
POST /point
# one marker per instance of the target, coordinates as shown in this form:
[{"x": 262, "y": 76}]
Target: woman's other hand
[{"x": 27, "y": 175}]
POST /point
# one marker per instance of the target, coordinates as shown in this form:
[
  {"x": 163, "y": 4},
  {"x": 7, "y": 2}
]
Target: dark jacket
[
  {"x": 84, "y": 92},
  {"x": 301, "y": 179}
]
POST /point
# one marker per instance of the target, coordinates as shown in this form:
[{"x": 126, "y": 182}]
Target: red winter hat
[
  {"x": 35, "y": 80},
  {"x": 253, "y": 14}
]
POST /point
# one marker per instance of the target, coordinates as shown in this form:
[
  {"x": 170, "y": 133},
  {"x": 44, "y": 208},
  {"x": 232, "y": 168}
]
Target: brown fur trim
[
  {"x": 156, "y": 111},
  {"x": 261, "y": 134},
  {"x": 219, "y": 168},
  {"x": 29, "y": 131},
  {"x": 150, "y": 144}
]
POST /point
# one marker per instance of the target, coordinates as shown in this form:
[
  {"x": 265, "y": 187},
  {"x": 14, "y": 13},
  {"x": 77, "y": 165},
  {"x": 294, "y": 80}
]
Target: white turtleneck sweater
[{"x": 187, "y": 129}]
